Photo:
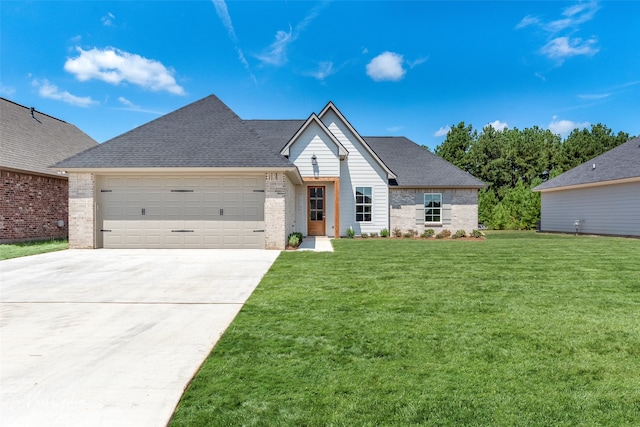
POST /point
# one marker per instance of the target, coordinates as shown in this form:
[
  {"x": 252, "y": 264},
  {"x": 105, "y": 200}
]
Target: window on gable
[
  {"x": 432, "y": 207},
  {"x": 363, "y": 204}
]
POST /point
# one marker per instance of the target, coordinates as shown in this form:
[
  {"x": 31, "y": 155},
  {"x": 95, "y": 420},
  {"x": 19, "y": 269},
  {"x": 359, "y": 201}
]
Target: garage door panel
[{"x": 183, "y": 211}]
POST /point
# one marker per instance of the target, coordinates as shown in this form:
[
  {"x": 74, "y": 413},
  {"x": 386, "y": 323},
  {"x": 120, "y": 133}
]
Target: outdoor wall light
[
  {"x": 314, "y": 160},
  {"x": 60, "y": 223}
]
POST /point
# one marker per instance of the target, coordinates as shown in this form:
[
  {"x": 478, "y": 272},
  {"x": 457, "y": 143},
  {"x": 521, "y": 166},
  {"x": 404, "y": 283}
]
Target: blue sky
[{"x": 393, "y": 68}]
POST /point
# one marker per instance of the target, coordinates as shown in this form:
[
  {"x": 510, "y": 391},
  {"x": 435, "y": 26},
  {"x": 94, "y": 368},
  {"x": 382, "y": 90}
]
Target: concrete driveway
[{"x": 112, "y": 337}]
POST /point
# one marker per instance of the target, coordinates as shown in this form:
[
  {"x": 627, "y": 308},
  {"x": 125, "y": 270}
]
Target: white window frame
[
  {"x": 364, "y": 204},
  {"x": 439, "y": 208}
]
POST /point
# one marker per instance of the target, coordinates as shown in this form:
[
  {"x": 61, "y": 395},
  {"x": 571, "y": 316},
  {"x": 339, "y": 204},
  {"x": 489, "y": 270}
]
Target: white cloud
[
  {"x": 386, "y": 67},
  {"x": 395, "y": 128},
  {"x": 563, "y": 127},
  {"x": 443, "y": 131},
  {"x": 126, "y": 102},
  {"x": 594, "y": 96},
  {"x": 7, "y": 90},
  {"x": 560, "y": 47},
  {"x": 498, "y": 125},
  {"x": 107, "y": 20},
  {"x": 526, "y": 21},
  {"x": 417, "y": 62},
  {"x": 565, "y": 47},
  {"x": 50, "y": 91},
  {"x": 276, "y": 53},
  {"x": 223, "y": 14},
  {"x": 115, "y": 66},
  {"x": 325, "y": 69}
]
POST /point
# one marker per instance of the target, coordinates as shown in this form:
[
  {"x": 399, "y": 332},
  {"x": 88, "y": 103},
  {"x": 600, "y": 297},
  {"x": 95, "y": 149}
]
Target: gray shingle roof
[
  {"x": 620, "y": 162},
  {"x": 33, "y": 143},
  {"x": 417, "y": 167},
  {"x": 275, "y": 133},
  {"x": 205, "y": 133}
]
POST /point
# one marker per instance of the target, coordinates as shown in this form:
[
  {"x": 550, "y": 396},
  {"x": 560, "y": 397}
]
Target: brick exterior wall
[
  {"x": 275, "y": 210},
  {"x": 31, "y": 206},
  {"x": 464, "y": 210},
  {"x": 81, "y": 210}
]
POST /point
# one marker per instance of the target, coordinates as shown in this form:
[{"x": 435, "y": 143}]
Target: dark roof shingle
[
  {"x": 416, "y": 166},
  {"x": 33, "y": 143},
  {"x": 205, "y": 133},
  {"x": 620, "y": 162}
]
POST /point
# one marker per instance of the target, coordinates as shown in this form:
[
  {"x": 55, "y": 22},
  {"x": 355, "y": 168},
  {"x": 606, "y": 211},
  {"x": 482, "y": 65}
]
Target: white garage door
[{"x": 182, "y": 212}]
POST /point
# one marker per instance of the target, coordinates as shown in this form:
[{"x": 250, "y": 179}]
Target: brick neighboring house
[
  {"x": 34, "y": 199},
  {"x": 202, "y": 177}
]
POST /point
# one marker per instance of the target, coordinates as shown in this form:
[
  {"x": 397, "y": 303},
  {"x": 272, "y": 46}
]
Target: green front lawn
[
  {"x": 16, "y": 250},
  {"x": 519, "y": 329}
]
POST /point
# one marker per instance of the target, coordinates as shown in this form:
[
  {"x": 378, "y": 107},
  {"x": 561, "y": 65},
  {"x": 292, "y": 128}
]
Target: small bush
[
  {"x": 298, "y": 236},
  {"x": 294, "y": 241},
  {"x": 408, "y": 235},
  {"x": 477, "y": 234},
  {"x": 384, "y": 233},
  {"x": 397, "y": 232},
  {"x": 443, "y": 234},
  {"x": 350, "y": 233},
  {"x": 428, "y": 233},
  {"x": 458, "y": 234},
  {"x": 364, "y": 235},
  {"x": 373, "y": 234}
]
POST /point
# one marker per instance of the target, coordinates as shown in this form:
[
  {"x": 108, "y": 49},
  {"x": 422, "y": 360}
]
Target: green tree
[
  {"x": 457, "y": 143},
  {"x": 583, "y": 144}
]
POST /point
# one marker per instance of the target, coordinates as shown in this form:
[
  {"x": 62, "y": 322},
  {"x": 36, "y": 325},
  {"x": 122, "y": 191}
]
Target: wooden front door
[{"x": 316, "y": 218}]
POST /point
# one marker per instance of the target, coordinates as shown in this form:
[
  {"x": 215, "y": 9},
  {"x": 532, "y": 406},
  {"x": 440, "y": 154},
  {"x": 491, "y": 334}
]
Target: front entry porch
[{"x": 319, "y": 206}]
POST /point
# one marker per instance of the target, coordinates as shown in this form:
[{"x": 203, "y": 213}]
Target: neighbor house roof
[
  {"x": 31, "y": 142},
  {"x": 205, "y": 133},
  {"x": 621, "y": 162},
  {"x": 415, "y": 166}
]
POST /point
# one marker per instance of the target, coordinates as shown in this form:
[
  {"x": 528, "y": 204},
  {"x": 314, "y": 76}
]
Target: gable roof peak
[{"x": 313, "y": 118}]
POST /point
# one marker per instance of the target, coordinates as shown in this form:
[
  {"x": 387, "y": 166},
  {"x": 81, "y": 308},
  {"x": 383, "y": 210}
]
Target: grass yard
[
  {"x": 521, "y": 329},
  {"x": 16, "y": 250}
]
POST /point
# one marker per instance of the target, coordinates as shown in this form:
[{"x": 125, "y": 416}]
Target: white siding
[
  {"x": 360, "y": 169},
  {"x": 608, "y": 209},
  {"x": 314, "y": 141}
]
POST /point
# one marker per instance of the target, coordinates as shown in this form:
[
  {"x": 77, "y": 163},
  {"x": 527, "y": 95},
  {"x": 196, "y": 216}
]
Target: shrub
[
  {"x": 373, "y": 234},
  {"x": 458, "y": 234},
  {"x": 443, "y": 234},
  {"x": 294, "y": 241},
  {"x": 350, "y": 232},
  {"x": 384, "y": 233},
  {"x": 429, "y": 232},
  {"x": 296, "y": 234},
  {"x": 477, "y": 234},
  {"x": 397, "y": 232},
  {"x": 364, "y": 235},
  {"x": 408, "y": 235}
]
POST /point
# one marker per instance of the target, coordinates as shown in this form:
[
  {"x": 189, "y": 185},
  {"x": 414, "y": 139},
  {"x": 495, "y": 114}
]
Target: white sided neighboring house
[
  {"x": 601, "y": 196},
  {"x": 201, "y": 177}
]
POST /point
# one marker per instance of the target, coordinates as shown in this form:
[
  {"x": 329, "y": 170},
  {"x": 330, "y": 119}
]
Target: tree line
[{"x": 512, "y": 162}]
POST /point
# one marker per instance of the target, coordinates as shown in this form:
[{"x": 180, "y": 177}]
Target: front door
[{"x": 316, "y": 218}]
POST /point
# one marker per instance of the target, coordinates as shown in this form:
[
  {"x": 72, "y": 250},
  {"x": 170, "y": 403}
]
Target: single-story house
[
  {"x": 33, "y": 198},
  {"x": 601, "y": 196},
  {"x": 202, "y": 177}
]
